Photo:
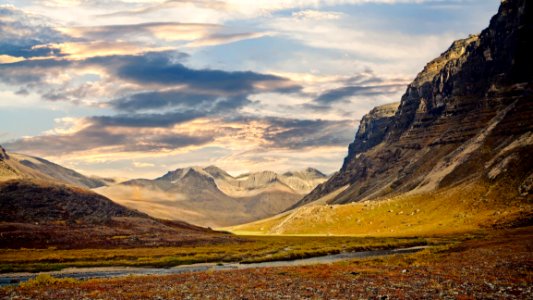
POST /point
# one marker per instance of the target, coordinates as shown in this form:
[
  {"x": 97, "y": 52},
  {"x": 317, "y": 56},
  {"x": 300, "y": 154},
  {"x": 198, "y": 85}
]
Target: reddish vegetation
[
  {"x": 499, "y": 266},
  {"x": 124, "y": 232}
]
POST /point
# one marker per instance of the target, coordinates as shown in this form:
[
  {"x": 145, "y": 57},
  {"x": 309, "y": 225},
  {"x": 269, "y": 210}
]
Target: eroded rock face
[
  {"x": 466, "y": 108},
  {"x": 372, "y": 129},
  {"x": 3, "y": 154}
]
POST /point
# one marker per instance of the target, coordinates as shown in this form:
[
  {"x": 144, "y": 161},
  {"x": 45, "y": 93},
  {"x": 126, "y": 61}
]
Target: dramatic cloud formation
[
  {"x": 22, "y": 32},
  {"x": 156, "y": 133},
  {"x": 59, "y": 79},
  {"x": 140, "y": 87}
]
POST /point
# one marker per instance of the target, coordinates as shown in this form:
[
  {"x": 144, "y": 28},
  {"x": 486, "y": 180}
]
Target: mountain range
[
  {"x": 212, "y": 197},
  {"x": 45, "y": 205},
  {"x": 455, "y": 154}
]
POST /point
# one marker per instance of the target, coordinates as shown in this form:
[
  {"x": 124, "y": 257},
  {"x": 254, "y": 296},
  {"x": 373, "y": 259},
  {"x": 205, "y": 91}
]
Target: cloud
[
  {"x": 57, "y": 144},
  {"x": 81, "y": 50},
  {"x": 225, "y": 38},
  {"x": 199, "y": 102},
  {"x": 170, "y": 4},
  {"x": 31, "y": 71},
  {"x": 7, "y": 59},
  {"x": 317, "y": 15},
  {"x": 170, "y": 31},
  {"x": 137, "y": 164},
  {"x": 157, "y": 68},
  {"x": 300, "y": 134},
  {"x": 101, "y": 136},
  {"x": 142, "y": 81},
  {"x": 148, "y": 120},
  {"x": 343, "y": 93},
  {"x": 160, "y": 34},
  {"x": 236, "y": 9},
  {"x": 22, "y": 32},
  {"x": 365, "y": 84},
  {"x": 30, "y": 35},
  {"x": 385, "y": 44},
  {"x": 151, "y": 133}
]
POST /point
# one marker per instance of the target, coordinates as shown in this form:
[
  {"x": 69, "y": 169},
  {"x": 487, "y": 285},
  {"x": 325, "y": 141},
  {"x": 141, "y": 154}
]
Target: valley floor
[{"x": 497, "y": 265}]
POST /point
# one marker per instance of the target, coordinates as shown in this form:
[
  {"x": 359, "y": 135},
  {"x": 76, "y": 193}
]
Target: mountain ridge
[
  {"x": 17, "y": 165},
  {"x": 455, "y": 156},
  {"x": 210, "y": 196},
  {"x": 464, "y": 106}
]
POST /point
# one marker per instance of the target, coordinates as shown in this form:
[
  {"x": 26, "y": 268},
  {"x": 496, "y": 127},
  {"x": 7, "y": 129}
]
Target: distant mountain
[
  {"x": 43, "y": 210},
  {"x": 19, "y": 166},
  {"x": 212, "y": 197},
  {"x": 455, "y": 154}
]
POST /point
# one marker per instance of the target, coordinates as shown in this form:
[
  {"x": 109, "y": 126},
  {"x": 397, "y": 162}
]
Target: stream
[{"x": 109, "y": 272}]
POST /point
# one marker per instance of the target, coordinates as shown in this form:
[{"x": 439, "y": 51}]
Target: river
[{"x": 109, "y": 272}]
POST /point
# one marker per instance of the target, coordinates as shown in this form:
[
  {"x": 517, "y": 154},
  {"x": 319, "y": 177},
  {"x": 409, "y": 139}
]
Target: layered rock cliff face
[
  {"x": 372, "y": 129},
  {"x": 468, "y": 116}
]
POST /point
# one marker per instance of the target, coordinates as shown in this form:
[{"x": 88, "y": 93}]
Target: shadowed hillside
[{"x": 38, "y": 211}]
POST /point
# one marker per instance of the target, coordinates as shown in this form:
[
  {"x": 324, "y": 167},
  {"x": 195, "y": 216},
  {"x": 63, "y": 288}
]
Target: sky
[{"x": 134, "y": 88}]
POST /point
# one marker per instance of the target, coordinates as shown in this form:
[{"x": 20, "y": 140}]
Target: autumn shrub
[{"x": 46, "y": 280}]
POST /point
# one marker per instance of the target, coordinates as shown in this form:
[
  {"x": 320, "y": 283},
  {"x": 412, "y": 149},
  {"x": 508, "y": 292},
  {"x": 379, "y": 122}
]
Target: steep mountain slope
[
  {"x": 212, "y": 197},
  {"x": 457, "y": 153},
  {"x": 17, "y": 165},
  {"x": 466, "y": 117}
]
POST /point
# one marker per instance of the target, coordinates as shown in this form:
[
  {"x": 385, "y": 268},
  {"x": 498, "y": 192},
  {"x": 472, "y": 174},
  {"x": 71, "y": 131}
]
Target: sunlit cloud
[
  {"x": 146, "y": 86},
  {"x": 80, "y": 50},
  {"x": 7, "y": 59},
  {"x": 317, "y": 15}
]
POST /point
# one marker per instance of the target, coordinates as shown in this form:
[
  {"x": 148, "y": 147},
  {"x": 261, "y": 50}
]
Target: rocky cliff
[
  {"x": 466, "y": 117},
  {"x": 371, "y": 132}
]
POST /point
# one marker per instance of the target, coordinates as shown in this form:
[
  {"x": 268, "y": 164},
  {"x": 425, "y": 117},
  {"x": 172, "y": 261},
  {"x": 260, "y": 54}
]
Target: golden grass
[
  {"x": 450, "y": 211},
  {"x": 45, "y": 280}
]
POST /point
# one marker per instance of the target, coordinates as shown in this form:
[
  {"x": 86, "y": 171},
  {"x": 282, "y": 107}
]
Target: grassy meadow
[{"x": 245, "y": 250}]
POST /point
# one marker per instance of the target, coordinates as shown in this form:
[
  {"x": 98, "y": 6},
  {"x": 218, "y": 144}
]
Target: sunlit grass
[
  {"x": 254, "y": 249},
  {"x": 451, "y": 211}
]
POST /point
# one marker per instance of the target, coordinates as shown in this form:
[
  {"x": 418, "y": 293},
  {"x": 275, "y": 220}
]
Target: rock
[
  {"x": 462, "y": 109},
  {"x": 526, "y": 187},
  {"x": 3, "y": 154},
  {"x": 371, "y": 130}
]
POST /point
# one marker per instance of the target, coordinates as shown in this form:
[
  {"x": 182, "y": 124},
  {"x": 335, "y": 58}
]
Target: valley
[{"x": 433, "y": 200}]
